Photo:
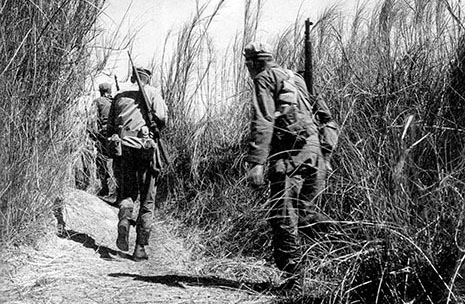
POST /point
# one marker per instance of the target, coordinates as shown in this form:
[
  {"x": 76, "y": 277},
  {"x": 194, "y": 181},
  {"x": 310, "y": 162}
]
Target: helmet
[
  {"x": 104, "y": 87},
  {"x": 258, "y": 51}
]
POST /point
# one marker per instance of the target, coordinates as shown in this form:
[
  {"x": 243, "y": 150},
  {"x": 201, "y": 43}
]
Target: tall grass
[
  {"x": 43, "y": 55},
  {"x": 389, "y": 81},
  {"x": 207, "y": 92},
  {"x": 392, "y": 75},
  {"x": 393, "y": 78}
]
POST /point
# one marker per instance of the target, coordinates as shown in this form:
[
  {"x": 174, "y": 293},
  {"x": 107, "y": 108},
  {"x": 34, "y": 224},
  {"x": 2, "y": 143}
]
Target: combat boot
[
  {"x": 139, "y": 253},
  {"x": 123, "y": 235}
]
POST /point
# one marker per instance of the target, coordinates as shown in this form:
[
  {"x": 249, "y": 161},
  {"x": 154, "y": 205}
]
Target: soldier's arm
[
  {"x": 263, "y": 109},
  {"x": 111, "y": 124},
  {"x": 159, "y": 108}
]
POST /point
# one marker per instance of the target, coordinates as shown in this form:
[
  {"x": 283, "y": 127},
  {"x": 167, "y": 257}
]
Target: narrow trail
[{"x": 84, "y": 266}]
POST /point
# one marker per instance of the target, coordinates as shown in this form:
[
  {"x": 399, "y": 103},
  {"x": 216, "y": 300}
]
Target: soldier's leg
[
  {"x": 147, "y": 204},
  {"x": 126, "y": 207},
  {"x": 147, "y": 180},
  {"x": 311, "y": 219},
  {"x": 126, "y": 196},
  {"x": 126, "y": 174},
  {"x": 283, "y": 220}
]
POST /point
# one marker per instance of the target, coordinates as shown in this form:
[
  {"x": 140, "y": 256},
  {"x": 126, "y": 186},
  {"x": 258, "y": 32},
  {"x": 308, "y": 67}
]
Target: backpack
[{"x": 301, "y": 113}]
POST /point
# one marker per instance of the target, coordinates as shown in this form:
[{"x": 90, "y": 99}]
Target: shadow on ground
[
  {"x": 182, "y": 280},
  {"x": 265, "y": 287},
  {"x": 88, "y": 242}
]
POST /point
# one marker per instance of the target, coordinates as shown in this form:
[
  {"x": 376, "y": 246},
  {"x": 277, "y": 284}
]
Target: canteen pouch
[{"x": 292, "y": 127}]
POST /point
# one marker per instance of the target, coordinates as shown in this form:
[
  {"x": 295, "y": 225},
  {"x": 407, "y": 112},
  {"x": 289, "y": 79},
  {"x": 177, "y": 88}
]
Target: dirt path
[{"x": 86, "y": 267}]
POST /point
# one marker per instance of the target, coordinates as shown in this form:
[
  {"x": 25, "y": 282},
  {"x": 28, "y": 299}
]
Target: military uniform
[
  {"x": 297, "y": 169},
  {"x": 101, "y": 109},
  {"x": 138, "y": 166}
]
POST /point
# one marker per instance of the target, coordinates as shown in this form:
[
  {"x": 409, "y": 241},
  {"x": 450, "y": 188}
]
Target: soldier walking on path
[
  {"x": 136, "y": 156},
  {"x": 98, "y": 131},
  {"x": 284, "y": 134}
]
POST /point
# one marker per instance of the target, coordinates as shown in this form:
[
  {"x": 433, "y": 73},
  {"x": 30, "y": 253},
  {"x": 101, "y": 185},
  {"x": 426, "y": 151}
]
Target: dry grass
[
  {"x": 44, "y": 71},
  {"x": 394, "y": 79}
]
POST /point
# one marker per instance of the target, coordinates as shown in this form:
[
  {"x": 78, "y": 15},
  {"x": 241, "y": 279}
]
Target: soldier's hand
[{"x": 255, "y": 175}]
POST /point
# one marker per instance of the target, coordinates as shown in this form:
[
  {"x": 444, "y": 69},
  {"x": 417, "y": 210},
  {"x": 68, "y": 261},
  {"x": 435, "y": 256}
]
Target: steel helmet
[
  {"x": 104, "y": 87},
  {"x": 258, "y": 51}
]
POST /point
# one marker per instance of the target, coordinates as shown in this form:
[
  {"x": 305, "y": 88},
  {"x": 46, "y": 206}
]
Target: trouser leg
[
  {"x": 148, "y": 187},
  {"x": 126, "y": 207},
  {"x": 284, "y": 219},
  {"x": 127, "y": 182},
  {"x": 312, "y": 220},
  {"x": 125, "y": 211},
  {"x": 127, "y": 194}
]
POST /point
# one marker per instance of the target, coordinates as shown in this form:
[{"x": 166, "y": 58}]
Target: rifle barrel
[
  {"x": 116, "y": 83},
  {"x": 308, "y": 75},
  {"x": 150, "y": 121}
]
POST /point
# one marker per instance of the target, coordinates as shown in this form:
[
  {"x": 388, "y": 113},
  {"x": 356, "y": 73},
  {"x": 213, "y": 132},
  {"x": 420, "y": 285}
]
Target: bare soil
[{"x": 83, "y": 265}]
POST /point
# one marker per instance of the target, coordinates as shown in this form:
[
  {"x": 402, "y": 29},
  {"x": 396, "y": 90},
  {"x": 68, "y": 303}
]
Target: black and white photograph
[{"x": 232, "y": 151}]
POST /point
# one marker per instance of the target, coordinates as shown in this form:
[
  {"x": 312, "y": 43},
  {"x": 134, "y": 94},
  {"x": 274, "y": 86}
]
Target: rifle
[
  {"x": 327, "y": 127},
  {"x": 308, "y": 74},
  {"x": 116, "y": 83},
  {"x": 151, "y": 118}
]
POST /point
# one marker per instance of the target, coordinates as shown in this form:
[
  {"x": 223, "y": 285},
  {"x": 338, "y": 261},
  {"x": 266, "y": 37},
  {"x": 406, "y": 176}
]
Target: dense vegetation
[
  {"x": 44, "y": 54},
  {"x": 393, "y": 77}
]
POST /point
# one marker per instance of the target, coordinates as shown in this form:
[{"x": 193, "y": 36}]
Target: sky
[{"x": 151, "y": 20}]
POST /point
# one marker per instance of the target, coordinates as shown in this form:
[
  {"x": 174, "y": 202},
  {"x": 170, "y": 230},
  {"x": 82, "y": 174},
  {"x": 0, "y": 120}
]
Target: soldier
[
  {"x": 284, "y": 134},
  {"x": 98, "y": 132},
  {"x": 136, "y": 161}
]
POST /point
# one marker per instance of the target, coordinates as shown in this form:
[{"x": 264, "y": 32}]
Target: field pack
[{"x": 297, "y": 113}]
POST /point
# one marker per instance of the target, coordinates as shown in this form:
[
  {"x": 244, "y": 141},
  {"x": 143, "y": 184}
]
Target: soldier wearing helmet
[
  {"x": 98, "y": 131},
  {"x": 136, "y": 159},
  {"x": 296, "y": 166}
]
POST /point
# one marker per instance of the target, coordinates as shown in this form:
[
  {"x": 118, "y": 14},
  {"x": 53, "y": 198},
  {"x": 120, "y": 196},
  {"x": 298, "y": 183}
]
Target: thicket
[
  {"x": 393, "y": 77},
  {"x": 44, "y": 60}
]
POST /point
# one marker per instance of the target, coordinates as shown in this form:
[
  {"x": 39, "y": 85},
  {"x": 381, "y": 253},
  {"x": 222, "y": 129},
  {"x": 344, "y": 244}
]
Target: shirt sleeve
[
  {"x": 263, "y": 108},
  {"x": 158, "y": 105}
]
